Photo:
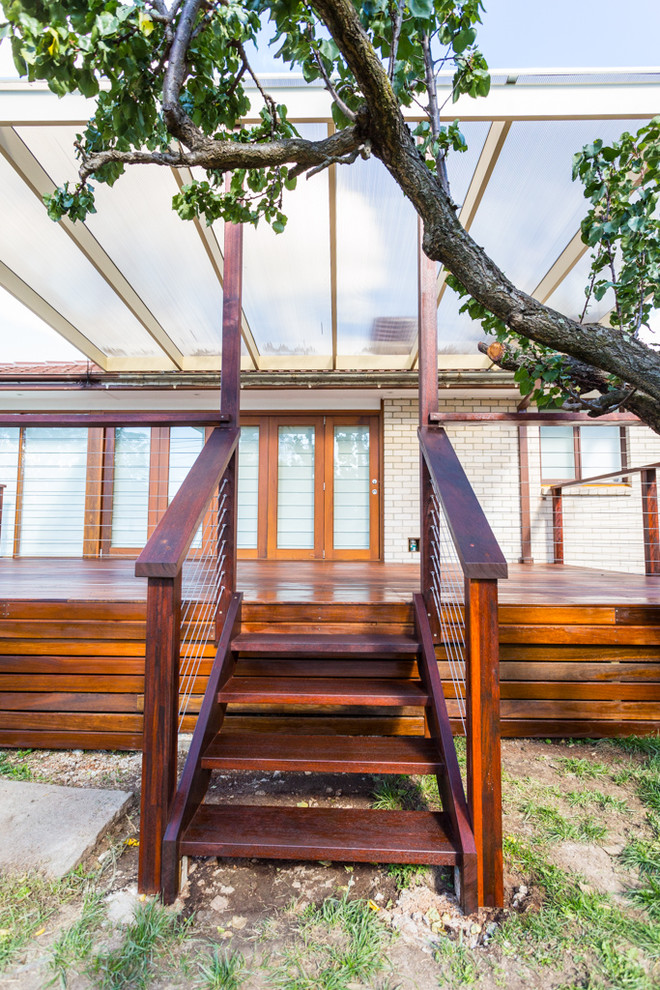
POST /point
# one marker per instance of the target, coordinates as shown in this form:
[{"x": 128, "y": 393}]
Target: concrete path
[{"x": 50, "y": 828}]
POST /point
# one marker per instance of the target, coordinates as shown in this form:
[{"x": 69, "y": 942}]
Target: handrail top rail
[
  {"x": 112, "y": 417},
  {"x": 166, "y": 549},
  {"x": 621, "y": 473},
  {"x": 477, "y": 548}
]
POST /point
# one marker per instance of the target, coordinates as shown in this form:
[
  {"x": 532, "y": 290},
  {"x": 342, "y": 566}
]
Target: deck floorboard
[{"x": 112, "y": 579}]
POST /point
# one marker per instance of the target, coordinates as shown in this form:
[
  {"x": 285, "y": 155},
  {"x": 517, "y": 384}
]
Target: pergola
[{"x": 135, "y": 289}]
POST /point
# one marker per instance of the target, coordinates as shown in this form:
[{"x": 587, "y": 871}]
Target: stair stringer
[
  {"x": 195, "y": 779},
  {"x": 450, "y": 784}
]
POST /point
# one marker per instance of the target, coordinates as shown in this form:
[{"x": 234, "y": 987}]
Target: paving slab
[{"x": 50, "y": 828}]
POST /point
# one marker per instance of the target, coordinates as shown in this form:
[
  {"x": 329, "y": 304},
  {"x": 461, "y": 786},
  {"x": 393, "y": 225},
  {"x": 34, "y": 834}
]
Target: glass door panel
[
  {"x": 130, "y": 494},
  {"x": 53, "y": 492},
  {"x": 248, "y": 489},
  {"x": 295, "y": 487},
  {"x": 351, "y": 477}
]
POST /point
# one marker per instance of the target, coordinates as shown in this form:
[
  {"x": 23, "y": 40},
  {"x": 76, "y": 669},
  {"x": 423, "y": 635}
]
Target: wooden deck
[
  {"x": 112, "y": 579},
  {"x": 579, "y": 649}
]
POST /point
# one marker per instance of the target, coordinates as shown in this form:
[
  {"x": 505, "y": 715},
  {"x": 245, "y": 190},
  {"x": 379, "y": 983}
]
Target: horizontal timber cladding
[{"x": 72, "y": 673}]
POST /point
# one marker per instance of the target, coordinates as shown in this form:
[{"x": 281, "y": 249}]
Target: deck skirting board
[{"x": 72, "y": 672}]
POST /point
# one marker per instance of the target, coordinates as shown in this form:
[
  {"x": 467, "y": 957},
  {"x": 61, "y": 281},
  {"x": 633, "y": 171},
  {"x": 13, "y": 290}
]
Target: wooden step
[
  {"x": 340, "y": 754},
  {"x": 343, "y": 834},
  {"x": 311, "y": 644},
  {"x": 322, "y": 691},
  {"x": 403, "y": 668}
]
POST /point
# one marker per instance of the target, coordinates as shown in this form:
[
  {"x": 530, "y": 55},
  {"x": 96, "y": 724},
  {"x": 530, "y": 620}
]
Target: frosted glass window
[
  {"x": 130, "y": 496},
  {"x": 248, "y": 488},
  {"x": 295, "y": 487},
  {"x": 600, "y": 450},
  {"x": 53, "y": 497},
  {"x": 557, "y": 453},
  {"x": 9, "y": 440},
  {"x": 351, "y": 487},
  {"x": 186, "y": 443}
]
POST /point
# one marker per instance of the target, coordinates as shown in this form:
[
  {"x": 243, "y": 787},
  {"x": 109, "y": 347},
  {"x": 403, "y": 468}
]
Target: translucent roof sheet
[
  {"x": 163, "y": 257},
  {"x": 376, "y": 259},
  {"x": 286, "y": 277},
  {"x": 542, "y": 208},
  {"x": 144, "y": 288},
  {"x": 41, "y": 254}
]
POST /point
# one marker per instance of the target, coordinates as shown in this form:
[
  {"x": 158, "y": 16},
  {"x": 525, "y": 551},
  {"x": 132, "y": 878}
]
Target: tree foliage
[{"x": 169, "y": 80}]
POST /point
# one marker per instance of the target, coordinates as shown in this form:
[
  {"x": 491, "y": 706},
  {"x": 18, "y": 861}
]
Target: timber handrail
[
  {"x": 476, "y": 545},
  {"x": 165, "y": 552},
  {"x": 621, "y": 473},
  {"x": 110, "y": 418}
]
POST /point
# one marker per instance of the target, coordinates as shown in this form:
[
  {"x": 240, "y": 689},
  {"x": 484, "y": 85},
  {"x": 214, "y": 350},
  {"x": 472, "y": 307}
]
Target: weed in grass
[
  {"x": 338, "y": 943},
  {"x": 223, "y": 971},
  {"x": 391, "y": 793},
  {"x": 11, "y": 765},
  {"x": 459, "y": 967},
  {"x": 130, "y": 965},
  {"x": 583, "y": 799},
  {"x": 406, "y": 874},
  {"x": 582, "y": 768},
  {"x": 75, "y": 945},
  {"x": 554, "y": 827}
]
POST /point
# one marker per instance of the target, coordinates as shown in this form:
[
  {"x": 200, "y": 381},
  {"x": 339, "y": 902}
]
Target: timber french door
[{"x": 314, "y": 487}]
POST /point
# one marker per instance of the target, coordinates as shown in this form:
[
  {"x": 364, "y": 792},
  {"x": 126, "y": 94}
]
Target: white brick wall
[
  {"x": 602, "y": 527},
  {"x": 489, "y": 455}
]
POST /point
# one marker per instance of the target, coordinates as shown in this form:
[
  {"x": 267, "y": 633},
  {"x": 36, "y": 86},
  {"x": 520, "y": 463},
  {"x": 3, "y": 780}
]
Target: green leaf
[
  {"x": 463, "y": 40},
  {"x": 421, "y": 8}
]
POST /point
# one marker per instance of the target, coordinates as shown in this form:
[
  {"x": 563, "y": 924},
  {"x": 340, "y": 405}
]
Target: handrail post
[
  {"x": 483, "y": 735},
  {"x": 650, "y": 521},
  {"x": 161, "y": 710},
  {"x": 557, "y": 526}
]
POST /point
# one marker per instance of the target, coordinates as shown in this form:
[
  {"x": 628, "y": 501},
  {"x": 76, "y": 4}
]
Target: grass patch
[
  {"x": 606, "y": 802},
  {"x": 459, "y": 966},
  {"x": 395, "y": 793},
  {"x": 554, "y": 827},
  {"x": 131, "y": 965},
  {"x": 26, "y": 904},
  {"x": 223, "y": 971},
  {"x": 598, "y": 935},
  {"x": 74, "y": 946},
  {"x": 338, "y": 943},
  {"x": 12, "y": 765},
  {"x": 582, "y": 768},
  {"x": 406, "y": 874}
]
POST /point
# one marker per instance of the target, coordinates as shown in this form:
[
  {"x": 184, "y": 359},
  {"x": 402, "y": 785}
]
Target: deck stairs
[{"x": 313, "y": 671}]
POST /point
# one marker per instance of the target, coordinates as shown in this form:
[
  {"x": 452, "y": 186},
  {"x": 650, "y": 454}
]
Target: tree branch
[
  {"x": 397, "y": 21},
  {"x": 226, "y": 155},
  {"x": 177, "y": 120}
]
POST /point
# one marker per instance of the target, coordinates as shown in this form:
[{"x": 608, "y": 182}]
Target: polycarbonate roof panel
[
  {"x": 457, "y": 332},
  {"x": 569, "y": 297},
  {"x": 286, "y": 277},
  {"x": 162, "y": 256},
  {"x": 41, "y": 253},
  {"x": 376, "y": 261},
  {"x": 531, "y": 209},
  {"x": 461, "y": 164}
]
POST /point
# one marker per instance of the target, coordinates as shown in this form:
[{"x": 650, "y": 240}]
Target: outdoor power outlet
[{"x": 413, "y": 544}]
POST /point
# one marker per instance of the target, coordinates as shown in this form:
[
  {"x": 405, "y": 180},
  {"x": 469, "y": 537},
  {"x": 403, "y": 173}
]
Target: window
[{"x": 571, "y": 453}]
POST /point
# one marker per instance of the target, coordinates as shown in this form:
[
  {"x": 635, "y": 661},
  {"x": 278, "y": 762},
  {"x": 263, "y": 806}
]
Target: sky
[{"x": 516, "y": 34}]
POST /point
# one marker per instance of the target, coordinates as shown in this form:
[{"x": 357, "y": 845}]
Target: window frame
[{"x": 577, "y": 458}]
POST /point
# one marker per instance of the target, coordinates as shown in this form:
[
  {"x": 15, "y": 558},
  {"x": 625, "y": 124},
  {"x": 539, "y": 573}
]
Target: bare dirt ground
[{"x": 581, "y": 841}]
